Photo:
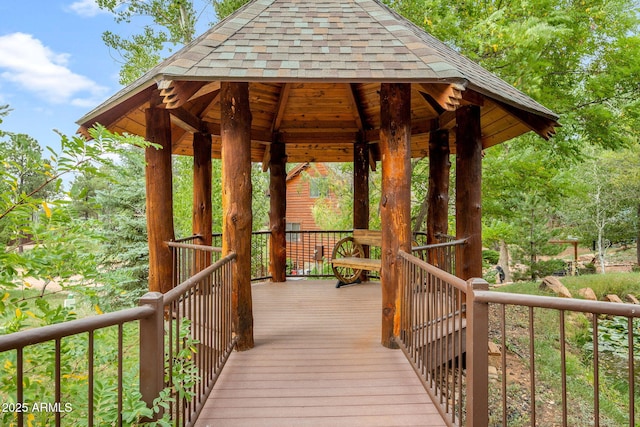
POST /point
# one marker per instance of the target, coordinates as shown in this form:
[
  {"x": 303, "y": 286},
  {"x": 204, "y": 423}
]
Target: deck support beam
[
  {"x": 159, "y": 189},
  {"x": 278, "y": 211},
  {"x": 469, "y": 192},
  {"x": 438, "y": 196},
  {"x": 236, "y": 203},
  {"x": 395, "y": 203}
]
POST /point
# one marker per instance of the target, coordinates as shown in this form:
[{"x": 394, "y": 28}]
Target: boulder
[
  {"x": 552, "y": 283},
  {"x": 587, "y": 293},
  {"x": 632, "y": 299},
  {"x": 612, "y": 298}
]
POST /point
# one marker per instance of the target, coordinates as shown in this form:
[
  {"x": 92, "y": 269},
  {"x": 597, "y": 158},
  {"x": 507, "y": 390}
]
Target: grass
[{"x": 614, "y": 385}]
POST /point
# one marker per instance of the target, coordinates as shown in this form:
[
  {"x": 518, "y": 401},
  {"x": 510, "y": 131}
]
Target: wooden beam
[
  {"x": 447, "y": 96},
  {"x": 543, "y": 126},
  {"x": 395, "y": 203},
  {"x": 438, "y": 203},
  {"x": 177, "y": 93},
  {"x": 278, "y": 211},
  {"x": 236, "y": 203},
  {"x": 282, "y": 104},
  {"x": 356, "y": 104},
  {"x": 189, "y": 122},
  {"x": 159, "y": 200},
  {"x": 469, "y": 192}
]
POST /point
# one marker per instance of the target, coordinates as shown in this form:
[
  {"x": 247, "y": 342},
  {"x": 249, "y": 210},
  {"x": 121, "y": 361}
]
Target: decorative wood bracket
[
  {"x": 176, "y": 93},
  {"x": 448, "y": 97}
]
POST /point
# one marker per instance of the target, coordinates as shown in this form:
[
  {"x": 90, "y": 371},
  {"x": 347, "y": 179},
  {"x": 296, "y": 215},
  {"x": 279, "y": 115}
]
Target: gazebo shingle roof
[{"x": 319, "y": 42}]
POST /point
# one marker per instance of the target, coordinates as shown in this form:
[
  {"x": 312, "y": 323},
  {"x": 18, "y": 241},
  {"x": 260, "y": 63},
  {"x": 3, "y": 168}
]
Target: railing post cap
[
  {"x": 478, "y": 284},
  {"x": 150, "y": 297}
]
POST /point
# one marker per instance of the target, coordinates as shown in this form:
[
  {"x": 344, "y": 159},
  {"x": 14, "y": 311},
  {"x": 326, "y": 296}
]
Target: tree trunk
[
  {"x": 236, "y": 203},
  {"x": 395, "y": 203},
  {"x": 503, "y": 261},
  {"x": 638, "y": 238},
  {"x": 159, "y": 200}
]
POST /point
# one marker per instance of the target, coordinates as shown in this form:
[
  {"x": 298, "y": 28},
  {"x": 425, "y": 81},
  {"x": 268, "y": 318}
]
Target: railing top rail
[
  {"x": 191, "y": 282},
  {"x": 187, "y": 239},
  {"x": 440, "y": 245},
  {"x": 435, "y": 271},
  {"x": 569, "y": 304},
  {"x": 193, "y": 246},
  {"x": 39, "y": 335}
]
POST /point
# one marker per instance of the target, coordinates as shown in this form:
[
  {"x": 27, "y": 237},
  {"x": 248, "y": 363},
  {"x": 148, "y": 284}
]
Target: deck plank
[{"x": 318, "y": 362}]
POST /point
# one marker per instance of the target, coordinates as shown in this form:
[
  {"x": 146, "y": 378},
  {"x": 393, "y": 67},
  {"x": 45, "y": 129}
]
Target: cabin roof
[{"x": 315, "y": 69}]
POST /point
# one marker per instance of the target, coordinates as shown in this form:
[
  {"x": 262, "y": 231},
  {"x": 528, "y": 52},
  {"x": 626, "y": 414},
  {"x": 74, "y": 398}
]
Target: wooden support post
[
  {"x": 202, "y": 210},
  {"x": 278, "y": 212},
  {"x": 236, "y": 203},
  {"x": 361, "y": 184},
  {"x": 152, "y": 350},
  {"x": 159, "y": 200},
  {"x": 469, "y": 192},
  {"x": 477, "y": 359},
  {"x": 395, "y": 203},
  {"x": 438, "y": 203}
]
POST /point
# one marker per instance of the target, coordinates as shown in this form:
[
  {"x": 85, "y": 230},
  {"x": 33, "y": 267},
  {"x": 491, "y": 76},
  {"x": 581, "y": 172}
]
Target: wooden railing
[
  {"x": 184, "y": 341},
  {"x": 446, "y": 327}
]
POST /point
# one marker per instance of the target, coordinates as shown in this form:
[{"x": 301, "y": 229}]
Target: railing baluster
[
  {"x": 90, "y": 378},
  {"x": 20, "y": 382},
  {"x": 596, "y": 373},
  {"x": 632, "y": 387},
  {"x": 120, "y": 373},
  {"x": 563, "y": 367},
  {"x": 532, "y": 368},
  {"x": 58, "y": 378}
]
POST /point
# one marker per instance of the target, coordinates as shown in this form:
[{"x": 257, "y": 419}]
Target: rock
[
  {"x": 632, "y": 299},
  {"x": 587, "y": 293},
  {"x": 554, "y": 284},
  {"x": 494, "y": 349},
  {"x": 612, "y": 298}
]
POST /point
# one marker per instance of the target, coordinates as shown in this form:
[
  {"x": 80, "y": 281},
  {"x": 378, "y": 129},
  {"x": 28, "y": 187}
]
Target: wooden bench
[{"x": 348, "y": 257}]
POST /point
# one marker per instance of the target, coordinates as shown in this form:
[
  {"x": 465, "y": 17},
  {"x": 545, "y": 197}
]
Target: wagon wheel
[{"x": 347, "y": 247}]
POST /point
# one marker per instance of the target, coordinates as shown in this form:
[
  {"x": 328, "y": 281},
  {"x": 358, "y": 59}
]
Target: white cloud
[
  {"x": 34, "y": 67},
  {"x": 87, "y": 8}
]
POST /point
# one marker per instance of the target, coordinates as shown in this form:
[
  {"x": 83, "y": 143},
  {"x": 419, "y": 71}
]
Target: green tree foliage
[
  {"x": 225, "y": 8},
  {"x": 172, "y": 24}
]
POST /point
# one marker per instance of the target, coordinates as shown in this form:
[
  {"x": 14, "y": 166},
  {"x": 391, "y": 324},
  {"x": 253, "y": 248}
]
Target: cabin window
[{"x": 292, "y": 227}]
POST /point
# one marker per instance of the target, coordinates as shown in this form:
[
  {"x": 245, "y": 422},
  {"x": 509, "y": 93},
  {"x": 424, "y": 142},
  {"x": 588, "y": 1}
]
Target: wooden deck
[{"x": 318, "y": 361}]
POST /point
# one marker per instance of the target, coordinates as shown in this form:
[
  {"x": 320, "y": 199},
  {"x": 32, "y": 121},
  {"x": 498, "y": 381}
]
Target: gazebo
[{"x": 302, "y": 81}]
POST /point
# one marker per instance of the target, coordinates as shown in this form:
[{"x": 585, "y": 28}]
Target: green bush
[{"x": 490, "y": 256}]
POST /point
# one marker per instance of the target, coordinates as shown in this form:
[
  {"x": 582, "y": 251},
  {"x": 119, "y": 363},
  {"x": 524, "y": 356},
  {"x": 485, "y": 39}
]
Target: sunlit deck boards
[{"x": 318, "y": 362}]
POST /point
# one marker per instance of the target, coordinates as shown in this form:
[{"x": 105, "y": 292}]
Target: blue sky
[{"x": 54, "y": 66}]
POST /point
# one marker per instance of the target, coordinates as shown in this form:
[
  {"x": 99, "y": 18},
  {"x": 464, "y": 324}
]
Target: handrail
[
  {"x": 39, "y": 335},
  {"x": 458, "y": 283},
  {"x": 193, "y": 281},
  {"x": 439, "y": 245},
  {"x": 204, "y": 248},
  {"x": 569, "y": 304}
]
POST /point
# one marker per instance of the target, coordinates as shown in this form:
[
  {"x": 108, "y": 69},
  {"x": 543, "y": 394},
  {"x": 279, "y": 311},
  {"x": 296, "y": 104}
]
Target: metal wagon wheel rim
[{"x": 345, "y": 248}]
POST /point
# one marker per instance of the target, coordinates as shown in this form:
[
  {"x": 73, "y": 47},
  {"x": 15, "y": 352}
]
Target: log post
[
  {"x": 159, "y": 189},
  {"x": 202, "y": 210},
  {"x": 361, "y": 184},
  {"x": 438, "y": 196},
  {"x": 469, "y": 192},
  {"x": 395, "y": 203},
  {"x": 361, "y": 190},
  {"x": 236, "y": 203},
  {"x": 278, "y": 211}
]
